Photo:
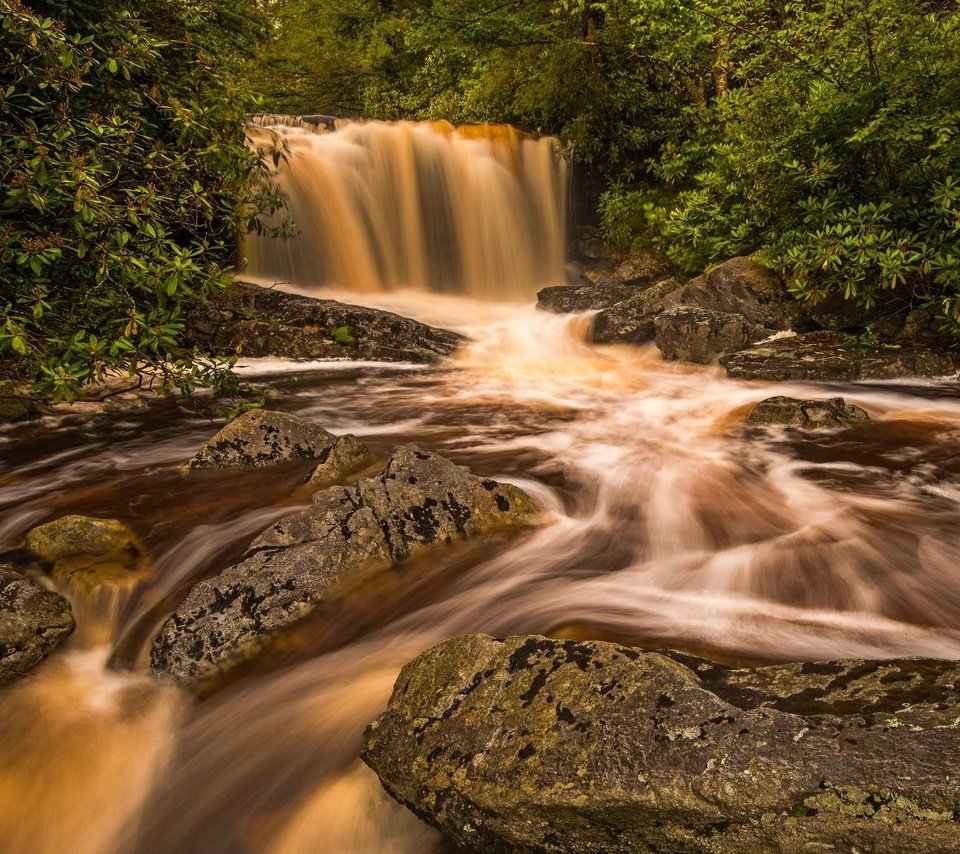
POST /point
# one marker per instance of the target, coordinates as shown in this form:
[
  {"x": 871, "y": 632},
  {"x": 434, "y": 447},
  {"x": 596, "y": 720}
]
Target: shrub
[{"x": 124, "y": 179}]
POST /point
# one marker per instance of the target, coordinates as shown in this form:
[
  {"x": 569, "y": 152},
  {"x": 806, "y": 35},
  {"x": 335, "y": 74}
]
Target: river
[{"x": 670, "y": 527}]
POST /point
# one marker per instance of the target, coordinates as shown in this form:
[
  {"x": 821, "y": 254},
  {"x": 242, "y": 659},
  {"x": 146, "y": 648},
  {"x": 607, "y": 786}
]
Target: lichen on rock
[
  {"x": 530, "y": 744},
  {"x": 264, "y": 437},
  {"x": 33, "y": 622},
  {"x": 831, "y": 413},
  {"x": 420, "y": 501}
]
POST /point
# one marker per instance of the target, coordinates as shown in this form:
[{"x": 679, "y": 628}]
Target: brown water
[{"x": 670, "y": 528}]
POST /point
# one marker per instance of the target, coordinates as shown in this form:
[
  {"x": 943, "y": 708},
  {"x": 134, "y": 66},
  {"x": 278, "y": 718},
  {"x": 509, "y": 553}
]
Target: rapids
[{"x": 670, "y": 528}]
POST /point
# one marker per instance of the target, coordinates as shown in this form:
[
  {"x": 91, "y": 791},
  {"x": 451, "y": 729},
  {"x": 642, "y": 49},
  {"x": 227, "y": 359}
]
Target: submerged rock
[
  {"x": 537, "y": 745},
  {"x": 806, "y": 414},
  {"x": 33, "y": 622},
  {"x": 90, "y": 552},
  {"x": 420, "y": 501},
  {"x": 694, "y": 334},
  {"x": 265, "y": 322},
  {"x": 265, "y": 437},
  {"x": 833, "y": 356}
]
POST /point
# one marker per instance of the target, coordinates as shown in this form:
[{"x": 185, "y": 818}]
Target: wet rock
[
  {"x": 537, "y": 745},
  {"x": 566, "y": 299},
  {"x": 632, "y": 320},
  {"x": 633, "y": 276},
  {"x": 90, "y": 552},
  {"x": 264, "y": 437},
  {"x": 73, "y": 535},
  {"x": 420, "y": 501},
  {"x": 742, "y": 286},
  {"x": 694, "y": 334},
  {"x": 265, "y": 322},
  {"x": 33, "y": 622},
  {"x": 16, "y": 403},
  {"x": 806, "y": 414},
  {"x": 834, "y": 356}
]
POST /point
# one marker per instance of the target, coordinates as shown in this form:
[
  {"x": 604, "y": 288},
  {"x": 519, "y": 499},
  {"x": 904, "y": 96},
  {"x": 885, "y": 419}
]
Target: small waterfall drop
[{"x": 476, "y": 210}]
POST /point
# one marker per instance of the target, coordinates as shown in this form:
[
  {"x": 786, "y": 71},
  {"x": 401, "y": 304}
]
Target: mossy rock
[
  {"x": 531, "y": 744},
  {"x": 90, "y": 552}
]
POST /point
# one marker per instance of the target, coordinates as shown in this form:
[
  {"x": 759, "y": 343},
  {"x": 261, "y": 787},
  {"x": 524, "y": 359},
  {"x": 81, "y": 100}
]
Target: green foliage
[
  {"x": 124, "y": 180},
  {"x": 831, "y": 148},
  {"x": 579, "y": 71}
]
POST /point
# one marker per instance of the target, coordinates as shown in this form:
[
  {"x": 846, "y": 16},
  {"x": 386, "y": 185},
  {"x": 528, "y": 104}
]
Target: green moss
[{"x": 344, "y": 336}]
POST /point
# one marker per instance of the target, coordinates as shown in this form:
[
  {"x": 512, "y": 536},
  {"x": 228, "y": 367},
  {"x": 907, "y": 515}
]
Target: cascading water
[
  {"x": 669, "y": 529},
  {"x": 476, "y": 210}
]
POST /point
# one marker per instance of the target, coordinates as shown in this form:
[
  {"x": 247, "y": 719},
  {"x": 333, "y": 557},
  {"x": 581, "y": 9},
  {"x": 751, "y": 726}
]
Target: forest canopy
[{"x": 821, "y": 135}]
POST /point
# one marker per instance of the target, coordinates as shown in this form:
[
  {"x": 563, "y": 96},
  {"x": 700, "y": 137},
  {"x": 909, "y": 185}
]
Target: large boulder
[
  {"x": 264, "y": 437},
  {"x": 743, "y": 286},
  {"x": 536, "y": 745},
  {"x": 265, "y": 322},
  {"x": 694, "y": 334},
  {"x": 833, "y": 356},
  {"x": 832, "y": 413},
  {"x": 90, "y": 552},
  {"x": 420, "y": 501},
  {"x": 33, "y": 621},
  {"x": 632, "y": 320}
]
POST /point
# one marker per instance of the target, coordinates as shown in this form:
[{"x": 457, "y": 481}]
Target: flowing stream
[{"x": 670, "y": 527}]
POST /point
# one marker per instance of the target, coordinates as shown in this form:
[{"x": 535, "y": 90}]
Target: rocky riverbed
[{"x": 492, "y": 518}]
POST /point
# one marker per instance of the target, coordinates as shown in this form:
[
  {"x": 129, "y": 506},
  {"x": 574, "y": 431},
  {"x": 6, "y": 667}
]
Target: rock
[
  {"x": 420, "y": 501},
  {"x": 642, "y": 267},
  {"x": 265, "y": 322},
  {"x": 566, "y": 299},
  {"x": 837, "y": 313},
  {"x": 742, "y": 286},
  {"x": 632, "y": 320},
  {"x": 33, "y": 622},
  {"x": 263, "y": 437},
  {"x": 73, "y": 535},
  {"x": 90, "y": 552},
  {"x": 835, "y": 357},
  {"x": 345, "y": 456},
  {"x": 537, "y": 745},
  {"x": 806, "y": 414},
  {"x": 640, "y": 271},
  {"x": 16, "y": 403},
  {"x": 694, "y": 334},
  {"x": 922, "y": 323}
]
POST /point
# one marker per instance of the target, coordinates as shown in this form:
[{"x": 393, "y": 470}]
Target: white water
[{"x": 670, "y": 528}]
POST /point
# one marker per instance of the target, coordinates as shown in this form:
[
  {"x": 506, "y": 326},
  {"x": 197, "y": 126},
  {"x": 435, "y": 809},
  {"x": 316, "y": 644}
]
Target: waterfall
[{"x": 476, "y": 210}]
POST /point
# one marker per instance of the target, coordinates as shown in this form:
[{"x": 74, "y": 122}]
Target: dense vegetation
[
  {"x": 821, "y": 133},
  {"x": 124, "y": 180}
]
